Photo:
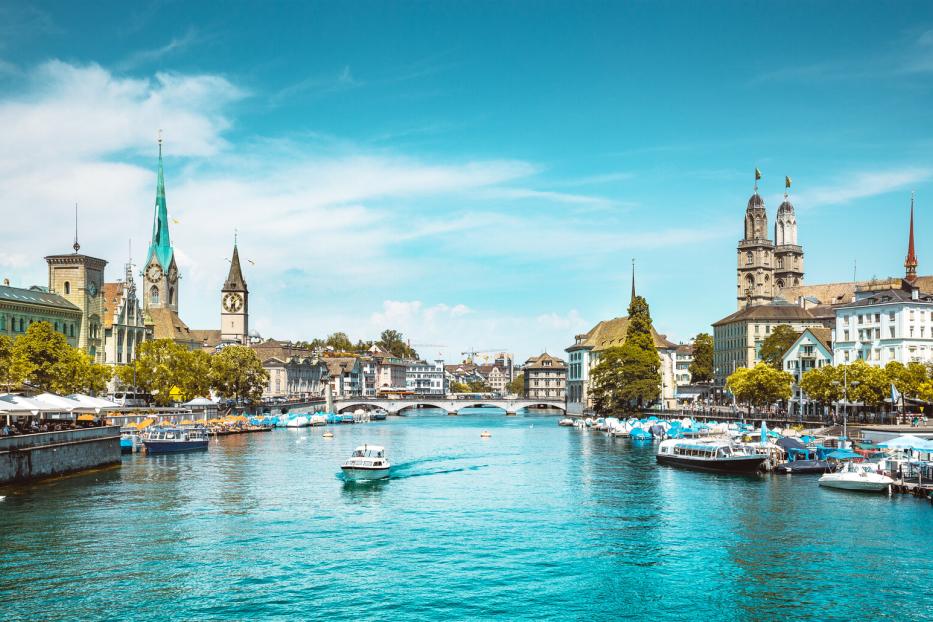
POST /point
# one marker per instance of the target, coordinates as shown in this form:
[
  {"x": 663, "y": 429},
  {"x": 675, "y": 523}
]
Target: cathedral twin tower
[{"x": 766, "y": 268}]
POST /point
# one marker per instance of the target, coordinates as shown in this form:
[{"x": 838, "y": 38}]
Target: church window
[
  {"x": 748, "y": 258},
  {"x": 780, "y": 283},
  {"x": 780, "y": 262},
  {"x": 796, "y": 281},
  {"x": 171, "y": 295},
  {"x": 154, "y": 295},
  {"x": 67, "y": 288}
]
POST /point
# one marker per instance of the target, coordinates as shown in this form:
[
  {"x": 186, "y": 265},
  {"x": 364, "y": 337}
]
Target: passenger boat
[
  {"x": 716, "y": 456},
  {"x": 346, "y": 419},
  {"x": 367, "y": 462},
  {"x": 857, "y": 476},
  {"x": 803, "y": 467},
  {"x": 379, "y": 414},
  {"x": 165, "y": 440},
  {"x": 566, "y": 422}
]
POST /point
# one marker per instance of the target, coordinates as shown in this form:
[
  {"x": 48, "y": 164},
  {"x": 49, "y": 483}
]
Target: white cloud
[{"x": 859, "y": 185}]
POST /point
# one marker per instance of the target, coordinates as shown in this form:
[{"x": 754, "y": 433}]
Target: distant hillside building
[{"x": 545, "y": 377}]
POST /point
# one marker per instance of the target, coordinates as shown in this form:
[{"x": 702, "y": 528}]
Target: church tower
[
  {"x": 788, "y": 255},
  {"x": 160, "y": 274},
  {"x": 755, "y": 255},
  {"x": 234, "y": 304},
  {"x": 910, "y": 263}
]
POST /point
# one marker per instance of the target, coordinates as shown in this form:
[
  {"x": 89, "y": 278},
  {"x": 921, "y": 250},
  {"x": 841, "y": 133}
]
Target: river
[{"x": 535, "y": 522}]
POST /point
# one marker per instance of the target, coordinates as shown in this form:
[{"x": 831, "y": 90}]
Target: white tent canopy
[
  {"x": 908, "y": 441},
  {"x": 63, "y": 404},
  {"x": 95, "y": 403},
  {"x": 200, "y": 401}
]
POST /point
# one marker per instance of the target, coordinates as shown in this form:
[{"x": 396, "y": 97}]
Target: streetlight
[{"x": 845, "y": 398}]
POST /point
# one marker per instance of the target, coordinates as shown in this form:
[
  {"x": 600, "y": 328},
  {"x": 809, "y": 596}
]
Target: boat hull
[
  {"x": 360, "y": 474},
  {"x": 804, "y": 467},
  {"x": 167, "y": 447},
  {"x": 743, "y": 464},
  {"x": 859, "y": 486}
]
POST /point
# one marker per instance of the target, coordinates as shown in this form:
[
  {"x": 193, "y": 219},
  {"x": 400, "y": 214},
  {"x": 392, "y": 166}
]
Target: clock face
[
  {"x": 92, "y": 289},
  {"x": 154, "y": 273},
  {"x": 233, "y": 302}
]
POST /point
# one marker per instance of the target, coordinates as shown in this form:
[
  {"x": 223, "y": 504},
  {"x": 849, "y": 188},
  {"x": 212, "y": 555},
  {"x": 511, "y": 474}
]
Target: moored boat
[
  {"x": 367, "y": 462},
  {"x": 172, "y": 439},
  {"x": 862, "y": 477},
  {"x": 298, "y": 421},
  {"x": 130, "y": 440},
  {"x": 715, "y": 456}
]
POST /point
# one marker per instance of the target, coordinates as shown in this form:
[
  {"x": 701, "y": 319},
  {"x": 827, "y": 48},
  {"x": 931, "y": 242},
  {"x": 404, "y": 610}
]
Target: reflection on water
[{"x": 536, "y": 522}]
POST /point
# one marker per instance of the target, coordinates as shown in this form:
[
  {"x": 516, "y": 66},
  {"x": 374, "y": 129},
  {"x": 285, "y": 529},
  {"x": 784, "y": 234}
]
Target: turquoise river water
[{"x": 536, "y": 522}]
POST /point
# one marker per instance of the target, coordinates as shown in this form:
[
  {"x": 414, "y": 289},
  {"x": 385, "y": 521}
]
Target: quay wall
[{"x": 33, "y": 456}]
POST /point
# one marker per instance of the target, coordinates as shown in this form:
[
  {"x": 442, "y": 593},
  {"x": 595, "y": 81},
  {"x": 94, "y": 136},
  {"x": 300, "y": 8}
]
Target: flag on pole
[
  {"x": 787, "y": 182},
  {"x": 757, "y": 174},
  {"x": 895, "y": 394}
]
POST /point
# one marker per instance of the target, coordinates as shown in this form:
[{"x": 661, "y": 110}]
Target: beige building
[
  {"x": 737, "y": 338},
  {"x": 584, "y": 354},
  {"x": 124, "y": 326},
  {"x": 295, "y": 377},
  {"x": 497, "y": 377},
  {"x": 79, "y": 279},
  {"x": 545, "y": 377}
]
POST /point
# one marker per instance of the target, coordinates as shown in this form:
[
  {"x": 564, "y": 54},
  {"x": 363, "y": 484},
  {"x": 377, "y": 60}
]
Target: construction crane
[{"x": 427, "y": 345}]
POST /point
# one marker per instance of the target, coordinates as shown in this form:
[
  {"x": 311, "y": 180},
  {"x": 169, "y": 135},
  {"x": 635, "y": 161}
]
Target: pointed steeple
[
  {"x": 910, "y": 263},
  {"x": 235, "y": 281},
  {"x": 161, "y": 244},
  {"x": 633, "y": 281}
]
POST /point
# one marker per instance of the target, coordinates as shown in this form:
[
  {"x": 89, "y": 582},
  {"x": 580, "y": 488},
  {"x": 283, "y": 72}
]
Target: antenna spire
[
  {"x": 910, "y": 263},
  {"x": 76, "y": 246}
]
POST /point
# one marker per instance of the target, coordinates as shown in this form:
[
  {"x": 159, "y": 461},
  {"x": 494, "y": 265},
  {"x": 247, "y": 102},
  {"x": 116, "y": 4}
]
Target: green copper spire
[{"x": 161, "y": 245}]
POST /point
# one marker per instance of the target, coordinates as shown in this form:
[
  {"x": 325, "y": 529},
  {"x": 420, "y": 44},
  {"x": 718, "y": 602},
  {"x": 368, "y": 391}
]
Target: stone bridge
[{"x": 397, "y": 407}]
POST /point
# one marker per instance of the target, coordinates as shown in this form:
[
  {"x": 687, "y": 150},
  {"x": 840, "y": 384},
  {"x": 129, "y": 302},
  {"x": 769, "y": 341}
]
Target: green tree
[
  {"x": 393, "y": 341},
  {"x": 159, "y": 367},
  {"x": 194, "y": 374},
  {"x": 517, "y": 386},
  {"x": 872, "y": 387},
  {"x": 237, "y": 373},
  {"x": 478, "y": 386},
  {"x": 908, "y": 379},
  {"x": 701, "y": 368},
  {"x": 776, "y": 344},
  {"x": 339, "y": 342},
  {"x": 823, "y": 384},
  {"x": 79, "y": 373},
  {"x": 41, "y": 358},
  {"x": 629, "y": 376},
  {"x": 760, "y": 385},
  {"x": 6, "y": 362},
  {"x": 459, "y": 387}
]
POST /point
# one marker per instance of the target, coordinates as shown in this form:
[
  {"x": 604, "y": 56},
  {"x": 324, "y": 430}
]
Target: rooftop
[
  {"x": 609, "y": 333},
  {"x": 35, "y": 297},
  {"x": 776, "y": 311}
]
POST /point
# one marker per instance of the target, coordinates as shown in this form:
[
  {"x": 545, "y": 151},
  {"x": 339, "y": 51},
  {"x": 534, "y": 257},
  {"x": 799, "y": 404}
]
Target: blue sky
[{"x": 473, "y": 174}]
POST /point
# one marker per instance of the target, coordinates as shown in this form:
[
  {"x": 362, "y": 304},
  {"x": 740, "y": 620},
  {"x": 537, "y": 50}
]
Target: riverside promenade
[{"x": 46, "y": 454}]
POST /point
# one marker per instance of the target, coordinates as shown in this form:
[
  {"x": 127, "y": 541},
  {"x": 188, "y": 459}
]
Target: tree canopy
[
  {"x": 760, "y": 385},
  {"x": 43, "y": 359},
  {"x": 394, "y": 342},
  {"x": 517, "y": 386},
  {"x": 701, "y": 368},
  {"x": 777, "y": 343},
  {"x": 628, "y": 377},
  {"x": 237, "y": 373}
]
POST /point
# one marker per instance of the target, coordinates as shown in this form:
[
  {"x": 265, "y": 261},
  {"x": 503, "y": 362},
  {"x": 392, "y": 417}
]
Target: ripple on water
[{"x": 536, "y": 522}]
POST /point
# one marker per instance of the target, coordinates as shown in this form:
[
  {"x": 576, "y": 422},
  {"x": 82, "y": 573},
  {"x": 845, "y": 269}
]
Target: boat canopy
[
  {"x": 787, "y": 443},
  {"x": 908, "y": 441},
  {"x": 843, "y": 454}
]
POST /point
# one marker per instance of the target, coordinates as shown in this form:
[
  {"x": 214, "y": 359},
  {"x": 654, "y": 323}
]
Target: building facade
[
  {"x": 737, "y": 338},
  {"x": 343, "y": 376},
  {"x": 584, "y": 355},
  {"x": 21, "y": 307},
  {"x": 812, "y": 349},
  {"x": 123, "y": 322},
  {"x": 765, "y": 267},
  {"x": 295, "y": 377},
  {"x": 424, "y": 378},
  {"x": 79, "y": 279},
  {"x": 683, "y": 358},
  {"x": 545, "y": 377}
]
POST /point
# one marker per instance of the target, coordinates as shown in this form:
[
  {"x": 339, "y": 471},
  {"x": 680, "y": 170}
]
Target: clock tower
[
  {"x": 160, "y": 273},
  {"x": 234, "y": 304}
]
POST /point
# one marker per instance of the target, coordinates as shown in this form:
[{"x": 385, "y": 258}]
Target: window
[
  {"x": 891, "y": 331},
  {"x": 154, "y": 295},
  {"x": 748, "y": 258},
  {"x": 891, "y": 316},
  {"x": 67, "y": 288}
]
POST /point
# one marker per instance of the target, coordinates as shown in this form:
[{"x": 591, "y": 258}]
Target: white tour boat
[
  {"x": 367, "y": 462},
  {"x": 863, "y": 476}
]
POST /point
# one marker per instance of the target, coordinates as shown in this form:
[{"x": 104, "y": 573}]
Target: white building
[
  {"x": 683, "y": 358},
  {"x": 423, "y": 378},
  {"x": 812, "y": 350},
  {"x": 584, "y": 354},
  {"x": 295, "y": 376}
]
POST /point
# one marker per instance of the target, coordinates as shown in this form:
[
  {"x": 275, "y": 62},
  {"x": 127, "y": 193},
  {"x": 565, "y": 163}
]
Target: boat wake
[{"x": 439, "y": 471}]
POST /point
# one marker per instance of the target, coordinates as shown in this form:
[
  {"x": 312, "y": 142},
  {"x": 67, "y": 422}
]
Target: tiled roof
[
  {"x": 610, "y": 333},
  {"x": 35, "y": 297},
  {"x": 783, "y": 312},
  {"x": 167, "y": 325},
  {"x": 333, "y": 364},
  {"x": 887, "y": 296},
  {"x": 841, "y": 293},
  {"x": 538, "y": 361},
  {"x": 208, "y": 337},
  {"x": 824, "y": 336},
  {"x": 112, "y": 293}
]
